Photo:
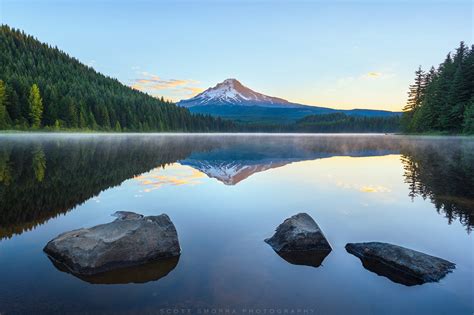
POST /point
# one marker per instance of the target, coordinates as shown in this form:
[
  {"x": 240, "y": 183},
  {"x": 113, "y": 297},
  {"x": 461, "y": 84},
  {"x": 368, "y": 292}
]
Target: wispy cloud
[
  {"x": 374, "y": 189},
  {"x": 364, "y": 188},
  {"x": 172, "y": 88}
]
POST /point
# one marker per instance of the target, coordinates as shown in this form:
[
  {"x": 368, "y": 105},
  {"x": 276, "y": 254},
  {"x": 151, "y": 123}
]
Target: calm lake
[{"x": 225, "y": 195}]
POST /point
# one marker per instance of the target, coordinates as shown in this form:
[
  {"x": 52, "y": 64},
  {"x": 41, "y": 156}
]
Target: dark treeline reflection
[
  {"x": 443, "y": 172},
  {"x": 40, "y": 179},
  {"x": 44, "y": 176}
]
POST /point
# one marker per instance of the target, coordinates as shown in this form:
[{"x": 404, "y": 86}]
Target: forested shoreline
[
  {"x": 441, "y": 100},
  {"x": 42, "y": 87}
]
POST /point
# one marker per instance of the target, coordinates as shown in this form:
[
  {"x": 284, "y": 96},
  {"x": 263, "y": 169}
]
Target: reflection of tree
[
  {"x": 5, "y": 168},
  {"x": 78, "y": 169},
  {"x": 39, "y": 163},
  {"x": 444, "y": 174}
]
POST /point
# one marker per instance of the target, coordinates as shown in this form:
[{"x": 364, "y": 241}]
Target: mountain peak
[
  {"x": 231, "y": 92},
  {"x": 230, "y": 81}
]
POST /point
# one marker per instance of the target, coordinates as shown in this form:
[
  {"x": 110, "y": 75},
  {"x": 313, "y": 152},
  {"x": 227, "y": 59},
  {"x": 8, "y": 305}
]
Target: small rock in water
[
  {"x": 130, "y": 240},
  {"x": 300, "y": 241},
  {"x": 400, "y": 264}
]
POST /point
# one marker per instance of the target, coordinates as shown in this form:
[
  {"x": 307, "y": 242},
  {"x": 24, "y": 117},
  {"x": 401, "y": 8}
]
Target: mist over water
[{"x": 225, "y": 194}]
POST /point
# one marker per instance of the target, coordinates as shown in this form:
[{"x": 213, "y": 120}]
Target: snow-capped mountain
[
  {"x": 232, "y": 100},
  {"x": 232, "y": 92}
]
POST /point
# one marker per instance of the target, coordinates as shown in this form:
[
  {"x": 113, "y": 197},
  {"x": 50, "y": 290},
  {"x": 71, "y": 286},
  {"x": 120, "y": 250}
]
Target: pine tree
[
  {"x": 468, "y": 124},
  {"x": 424, "y": 117},
  {"x": 36, "y": 106},
  {"x": 415, "y": 98},
  {"x": 416, "y": 92},
  {"x": 442, "y": 106},
  {"x": 3, "y": 106},
  {"x": 459, "y": 92}
]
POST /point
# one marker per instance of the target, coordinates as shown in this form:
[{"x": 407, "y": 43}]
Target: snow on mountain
[{"x": 232, "y": 92}]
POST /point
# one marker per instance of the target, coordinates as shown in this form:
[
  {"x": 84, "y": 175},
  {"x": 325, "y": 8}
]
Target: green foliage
[
  {"x": 78, "y": 97},
  {"x": 36, "y": 106},
  {"x": 3, "y": 105},
  {"x": 335, "y": 122},
  {"x": 468, "y": 124},
  {"x": 439, "y": 101},
  {"x": 340, "y": 122}
]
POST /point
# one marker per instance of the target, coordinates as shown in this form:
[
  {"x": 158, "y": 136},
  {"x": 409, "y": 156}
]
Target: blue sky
[{"x": 350, "y": 54}]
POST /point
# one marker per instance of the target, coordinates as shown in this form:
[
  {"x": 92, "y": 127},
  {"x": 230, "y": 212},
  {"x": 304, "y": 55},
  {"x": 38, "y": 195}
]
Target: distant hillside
[
  {"x": 279, "y": 115},
  {"x": 41, "y": 86},
  {"x": 230, "y": 99}
]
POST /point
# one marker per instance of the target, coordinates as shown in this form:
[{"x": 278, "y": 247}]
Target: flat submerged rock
[
  {"x": 130, "y": 240},
  {"x": 300, "y": 241},
  {"x": 400, "y": 264}
]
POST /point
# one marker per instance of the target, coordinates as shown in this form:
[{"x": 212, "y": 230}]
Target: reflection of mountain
[
  {"x": 234, "y": 161},
  {"x": 231, "y": 172},
  {"x": 42, "y": 177}
]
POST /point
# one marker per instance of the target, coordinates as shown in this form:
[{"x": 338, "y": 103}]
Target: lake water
[{"x": 225, "y": 195}]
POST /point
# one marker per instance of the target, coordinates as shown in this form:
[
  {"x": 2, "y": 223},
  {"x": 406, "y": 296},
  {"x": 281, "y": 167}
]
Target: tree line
[
  {"x": 330, "y": 123},
  {"x": 340, "y": 122},
  {"x": 43, "y": 87},
  {"x": 442, "y": 99}
]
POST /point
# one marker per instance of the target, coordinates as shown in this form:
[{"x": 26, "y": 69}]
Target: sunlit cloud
[
  {"x": 364, "y": 188},
  {"x": 373, "y": 75},
  {"x": 193, "y": 90},
  {"x": 374, "y": 189},
  {"x": 173, "y": 175},
  {"x": 174, "y": 89}
]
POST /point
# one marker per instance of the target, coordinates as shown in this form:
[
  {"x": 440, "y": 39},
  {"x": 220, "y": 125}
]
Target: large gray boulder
[
  {"x": 299, "y": 240},
  {"x": 130, "y": 240},
  {"x": 400, "y": 264}
]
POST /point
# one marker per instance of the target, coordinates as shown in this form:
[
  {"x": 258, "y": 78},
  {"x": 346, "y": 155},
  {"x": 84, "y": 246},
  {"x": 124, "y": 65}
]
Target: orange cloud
[{"x": 172, "y": 88}]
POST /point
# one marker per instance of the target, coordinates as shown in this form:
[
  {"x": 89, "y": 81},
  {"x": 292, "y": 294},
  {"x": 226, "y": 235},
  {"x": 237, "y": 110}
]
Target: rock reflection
[
  {"x": 152, "y": 271},
  {"x": 313, "y": 258},
  {"x": 393, "y": 274}
]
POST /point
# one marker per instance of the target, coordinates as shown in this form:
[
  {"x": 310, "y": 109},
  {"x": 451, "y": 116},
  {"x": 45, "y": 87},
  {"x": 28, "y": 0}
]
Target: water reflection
[
  {"x": 444, "y": 174},
  {"x": 387, "y": 271},
  {"x": 42, "y": 177},
  {"x": 313, "y": 258},
  {"x": 152, "y": 271}
]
